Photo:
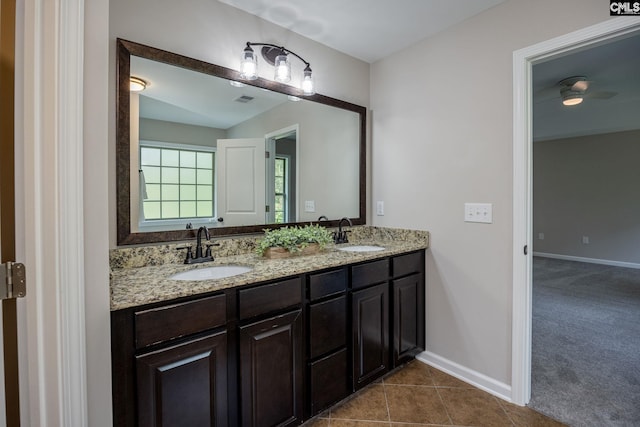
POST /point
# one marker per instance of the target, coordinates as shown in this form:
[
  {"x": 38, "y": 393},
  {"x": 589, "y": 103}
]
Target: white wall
[
  {"x": 96, "y": 217},
  {"x": 588, "y": 186},
  {"x": 442, "y": 136},
  {"x": 217, "y": 33},
  {"x": 328, "y": 155}
]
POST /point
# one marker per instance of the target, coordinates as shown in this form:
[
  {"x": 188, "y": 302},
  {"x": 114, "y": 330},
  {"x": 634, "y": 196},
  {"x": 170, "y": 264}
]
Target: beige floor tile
[
  {"x": 473, "y": 407},
  {"x": 415, "y": 404},
  {"x": 317, "y": 422},
  {"x": 352, "y": 423},
  {"x": 368, "y": 405},
  {"x": 440, "y": 379},
  {"x": 527, "y": 417},
  {"x": 414, "y": 373}
]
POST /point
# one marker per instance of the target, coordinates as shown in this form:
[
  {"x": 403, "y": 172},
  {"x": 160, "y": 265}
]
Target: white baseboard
[
  {"x": 589, "y": 260},
  {"x": 476, "y": 379}
]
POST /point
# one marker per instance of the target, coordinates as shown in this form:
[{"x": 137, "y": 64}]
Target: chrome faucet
[
  {"x": 198, "y": 257},
  {"x": 341, "y": 236}
]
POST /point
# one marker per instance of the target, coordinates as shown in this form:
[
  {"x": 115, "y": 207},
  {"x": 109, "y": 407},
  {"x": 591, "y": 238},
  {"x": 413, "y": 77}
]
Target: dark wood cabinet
[
  {"x": 408, "y": 296},
  {"x": 370, "y": 311},
  {"x": 271, "y": 369},
  {"x": 185, "y": 384},
  {"x": 408, "y": 318},
  {"x": 269, "y": 354},
  {"x": 328, "y": 320}
]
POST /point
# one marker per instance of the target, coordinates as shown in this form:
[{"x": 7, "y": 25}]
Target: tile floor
[{"x": 419, "y": 395}]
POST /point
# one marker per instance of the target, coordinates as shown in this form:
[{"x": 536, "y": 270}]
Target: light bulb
[
  {"x": 307, "y": 82},
  {"x": 283, "y": 69},
  {"x": 249, "y": 64}
]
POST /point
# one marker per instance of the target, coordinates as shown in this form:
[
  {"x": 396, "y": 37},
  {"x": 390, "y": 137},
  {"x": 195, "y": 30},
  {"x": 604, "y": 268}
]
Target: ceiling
[
  {"x": 612, "y": 68},
  {"x": 365, "y": 29},
  {"x": 612, "y": 101}
]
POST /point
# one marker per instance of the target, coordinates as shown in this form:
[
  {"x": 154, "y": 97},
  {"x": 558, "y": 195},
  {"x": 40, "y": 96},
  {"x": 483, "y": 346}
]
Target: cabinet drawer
[
  {"x": 369, "y": 274},
  {"x": 327, "y": 326},
  {"x": 174, "y": 321},
  {"x": 328, "y": 283},
  {"x": 266, "y": 298},
  {"x": 407, "y": 264},
  {"x": 328, "y": 380}
]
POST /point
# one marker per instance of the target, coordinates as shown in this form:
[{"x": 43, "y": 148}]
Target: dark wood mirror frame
[{"x": 123, "y": 179}]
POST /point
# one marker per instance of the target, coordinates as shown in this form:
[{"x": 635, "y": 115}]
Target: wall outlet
[
  {"x": 309, "y": 206},
  {"x": 478, "y": 212},
  {"x": 540, "y": 236},
  {"x": 585, "y": 240},
  {"x": 380, "y": 208}
]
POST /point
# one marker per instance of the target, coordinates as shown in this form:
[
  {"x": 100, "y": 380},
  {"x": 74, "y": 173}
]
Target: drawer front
[
  {"x": 328, "y": 283},
  {"x": 407, "y": 264},
  {"x": 369, "y": 274},
  {"x": 266, "y": 298},
  {"x": 328, "y": 379},
  {"x": 327, "y": 326},
  {"x": 178, "y": 320}
]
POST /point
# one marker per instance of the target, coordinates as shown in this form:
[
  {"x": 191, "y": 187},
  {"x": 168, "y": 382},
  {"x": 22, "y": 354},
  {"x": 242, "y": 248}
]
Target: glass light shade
[
  {"x": 283, "y": 69},
  {"x": 307, "y": 82},
  {"x": 572, "y": 101},
  {"x": 136, "y": 84},
  {"x": 249, "y": 64}
]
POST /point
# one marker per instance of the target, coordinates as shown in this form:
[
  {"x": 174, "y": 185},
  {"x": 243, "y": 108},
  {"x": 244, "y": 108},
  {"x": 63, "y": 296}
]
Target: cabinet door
[
  {"x": 271, "y": 369},
  {"x": 184, "y": 385},
  {"x": 370, "y": 308},
  {"x": 408, "y": 318}
]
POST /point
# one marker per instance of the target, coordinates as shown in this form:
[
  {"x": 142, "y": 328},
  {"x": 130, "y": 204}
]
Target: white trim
[
  {"x": 522, "y": 192},
  {"x": 588, "y": 260},
  {"x": 477, "y": 379},
  {"x": 52, "y": 176},
  {"x": 70, "y": 116}
]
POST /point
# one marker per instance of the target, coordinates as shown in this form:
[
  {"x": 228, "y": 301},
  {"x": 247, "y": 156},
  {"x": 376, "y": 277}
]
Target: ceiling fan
[{"x": 573, "y": 90}]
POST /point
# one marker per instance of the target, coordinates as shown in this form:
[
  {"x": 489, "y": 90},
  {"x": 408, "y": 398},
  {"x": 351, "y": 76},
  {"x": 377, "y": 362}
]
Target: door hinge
[
  {"x": 267, "y": 208},
  {"x": 267, "y": 154},
  {"x": 13, "y": 283}
]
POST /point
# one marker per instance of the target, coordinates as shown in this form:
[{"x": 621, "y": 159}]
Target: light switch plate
[
  {"x": 309, "y": 206},
  {"x": 478, "y": 212}
]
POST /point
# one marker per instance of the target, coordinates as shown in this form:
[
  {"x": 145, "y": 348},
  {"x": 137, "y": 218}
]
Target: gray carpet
[{"x": 586, "y": 343}]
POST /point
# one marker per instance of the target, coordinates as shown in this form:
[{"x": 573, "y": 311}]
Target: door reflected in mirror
[{"x": 194, "y": 149}]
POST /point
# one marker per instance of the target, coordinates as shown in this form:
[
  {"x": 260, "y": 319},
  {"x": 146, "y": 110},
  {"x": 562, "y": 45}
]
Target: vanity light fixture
[
  {"x": 136, "y": 84},
  {"x": 277, "y": 56}
]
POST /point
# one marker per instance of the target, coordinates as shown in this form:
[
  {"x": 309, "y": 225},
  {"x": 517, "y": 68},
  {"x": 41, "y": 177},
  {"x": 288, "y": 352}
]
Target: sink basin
[
  {"x": 361, "y": 248},
  {"x": 210, "y": 273}
]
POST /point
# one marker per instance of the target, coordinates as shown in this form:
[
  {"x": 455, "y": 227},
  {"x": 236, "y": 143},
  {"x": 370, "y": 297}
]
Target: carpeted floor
[{"x": 586, "y": 343}]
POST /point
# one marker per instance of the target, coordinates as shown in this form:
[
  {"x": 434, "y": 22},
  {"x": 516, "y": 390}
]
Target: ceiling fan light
[
  {"x": 571, "y": 97},
  {"x": 283, "y": 69},
  {"x": 572, "y": 101},
  {"x": 249, "y": 64}
]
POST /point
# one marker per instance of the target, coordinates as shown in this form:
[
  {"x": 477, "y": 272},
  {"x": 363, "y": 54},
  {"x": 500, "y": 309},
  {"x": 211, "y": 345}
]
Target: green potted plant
[{"x": 287, "y": 241}]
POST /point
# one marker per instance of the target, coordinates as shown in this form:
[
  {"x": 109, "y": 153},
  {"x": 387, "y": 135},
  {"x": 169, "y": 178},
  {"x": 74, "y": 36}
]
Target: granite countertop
[{"x": 132, "y": 287}]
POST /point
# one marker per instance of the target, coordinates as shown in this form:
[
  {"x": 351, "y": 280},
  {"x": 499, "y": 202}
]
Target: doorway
[
  {"x": 585, "y": 133},
  {"x": 522, "y": 185}
]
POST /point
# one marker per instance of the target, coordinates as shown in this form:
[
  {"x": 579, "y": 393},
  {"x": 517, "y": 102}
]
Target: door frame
[
  {"x": 49, "y": 204},
  {"x": 523, "y": 60}
]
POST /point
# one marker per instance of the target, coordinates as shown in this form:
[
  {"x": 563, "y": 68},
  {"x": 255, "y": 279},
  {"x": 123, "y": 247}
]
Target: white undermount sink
[
  {"x": 211, "y": 273},
  {"x": 361, "y": 248}
]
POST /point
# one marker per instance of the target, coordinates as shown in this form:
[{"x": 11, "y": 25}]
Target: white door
[
  {"x": 9, "y": 382},
  {"x": 270, "y": 191},
  {"x": 240, "y": 179}
]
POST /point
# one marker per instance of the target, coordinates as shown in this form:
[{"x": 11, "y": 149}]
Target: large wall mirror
[{"x": 199, "y": 146}]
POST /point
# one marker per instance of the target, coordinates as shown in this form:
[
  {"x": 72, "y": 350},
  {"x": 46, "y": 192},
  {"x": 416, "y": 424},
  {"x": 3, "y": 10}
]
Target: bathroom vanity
[{"x": 269, "y": 352}]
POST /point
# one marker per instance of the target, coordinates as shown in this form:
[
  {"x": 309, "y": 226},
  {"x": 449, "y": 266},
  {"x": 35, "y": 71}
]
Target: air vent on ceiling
[{"x": 244, "y": 99}]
